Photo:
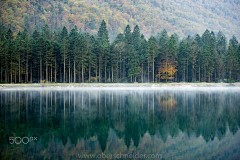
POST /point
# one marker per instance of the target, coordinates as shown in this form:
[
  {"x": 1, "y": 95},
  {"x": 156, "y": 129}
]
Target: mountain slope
[{"x": 183, "y": 17}]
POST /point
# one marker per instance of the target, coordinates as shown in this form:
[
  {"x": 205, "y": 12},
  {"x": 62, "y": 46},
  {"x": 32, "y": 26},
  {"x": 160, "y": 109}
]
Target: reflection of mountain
[{"x": 95, "y": 117}]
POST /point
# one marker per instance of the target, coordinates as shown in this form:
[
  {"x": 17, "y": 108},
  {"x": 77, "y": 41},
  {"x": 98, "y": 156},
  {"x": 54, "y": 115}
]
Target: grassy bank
[{"x": 119, "y": 85}]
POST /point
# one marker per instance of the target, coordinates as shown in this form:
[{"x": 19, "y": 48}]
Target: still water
[{"x": 69, "y": 123}]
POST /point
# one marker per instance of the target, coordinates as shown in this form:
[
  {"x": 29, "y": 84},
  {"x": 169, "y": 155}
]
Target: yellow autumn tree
[{"x": 167, "y": 71}]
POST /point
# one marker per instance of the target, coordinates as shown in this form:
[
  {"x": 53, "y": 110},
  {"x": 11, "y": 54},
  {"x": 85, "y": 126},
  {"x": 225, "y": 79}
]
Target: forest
[
  {"x": 185, "y": 17},
  {"x": 77, "y": 57}
]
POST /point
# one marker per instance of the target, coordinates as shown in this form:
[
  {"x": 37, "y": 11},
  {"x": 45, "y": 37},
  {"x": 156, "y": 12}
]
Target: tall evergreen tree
[
  {"x": 104, "y": 48},
  {"x": 143, "y": 57},
  {"x": 173, "y": 49},
  {"x": 82, "y": 55},
  {"x": 40, "y": 54},
  {"x": 230, "y": 60},
  {"x": 27, "y": 49},
  {"x": 128, "y": 51},
  {"x": 153, "y": 52},
  {"x": 234, "y": 43}
]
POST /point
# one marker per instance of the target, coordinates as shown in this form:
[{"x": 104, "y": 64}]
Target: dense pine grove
[{"x": 72, "y": 57}]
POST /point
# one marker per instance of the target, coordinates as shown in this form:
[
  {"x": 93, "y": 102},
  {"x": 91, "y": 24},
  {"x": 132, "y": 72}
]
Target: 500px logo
[{"x": 19, "y": 140}]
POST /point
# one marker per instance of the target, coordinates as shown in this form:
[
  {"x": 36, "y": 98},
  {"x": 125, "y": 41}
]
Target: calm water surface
[{"x": 199, "y": 123}]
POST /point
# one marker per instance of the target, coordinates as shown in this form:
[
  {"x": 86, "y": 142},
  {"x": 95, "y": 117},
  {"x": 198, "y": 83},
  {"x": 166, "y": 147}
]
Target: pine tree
[
  {"x": 56, "y": 53},
  {"x": 64, "y": 53},
  {"x": 119, "y": 47},
  {"x": 91, "y": 56},
  {"x": 230, "y": 60},
  {"x": 128, "y": 51},
  {"x": 221, "y": 49},
  {"x": 19, "y": 52},
  {"x": 103, "y": 56},
  {"x": 173, "y": 49},
  {"x": 182, "y": 59},
  {"x": 48, "y": 58},
  {"x": 27, "y": 49},
  {"x": 136, "y": 56},
  {"x": 153, "y": 52},
  {"x": 206, "y": 37},
  {"x": 238, "y": 61},
  {"x": 193, "y": 58},
  {"x": 82, "y": 55},
  {"x": 143, "y": 52},
  {"x": 73, "y": 40},
  {"x": 40, "y": 54},
  {"x": 213, "y": 52},
  {"x": 234, "y": 43}
]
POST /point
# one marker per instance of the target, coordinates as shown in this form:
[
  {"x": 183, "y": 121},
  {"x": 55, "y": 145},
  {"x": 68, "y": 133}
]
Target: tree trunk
[
  {"x": 99, "y": 71},
  {"x": 64, "y": 67},
  {"x": 199, "y": 74},
  {"x": 96, "y": 73},
  {"x": 5, "y": 75},
  {"x": 31, "y": 75},
  {"x": 79, "y": 75},
  {"x": 215, "y": 75},
  {"x": 124, "y": 67},
  {"x": 40, "y": 68},
  {"x": 46, "y": 72},
  {"x": 27, "y": 69},
  {"x": 166, "y": 69},
  {"x": 55, "y": 72},
  {"x": 120, "y": 66},
  {"x": 11, "y": 72},
  {"x": 153, "y": 70},
  {"x": 187, "y": 70},
  {"x": 205, "y": 74},
  {"x": 142, "y": 72},
  {"x": 105, "y": 74},
  {"x": 69, "y": 72},
  {"x": 112, "y": 73},
  {"x": 135, "y": 79},
  {"x": 15, "y": 76},
  {"x": 230, "y": 73},
  {"x": 1, "y": 74},
  {"x": 74, "y": 72},
  {"x": 89, "y": 73},
  {"x": 148, "y": 72},
  {"x": 51, "y": 72},
  {"x": 82, "y": 74},
  {"x": 19, "y": 71}
]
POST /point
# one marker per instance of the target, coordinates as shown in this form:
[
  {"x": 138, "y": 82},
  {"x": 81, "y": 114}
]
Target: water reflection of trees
[{"x": 75, "y": 115}]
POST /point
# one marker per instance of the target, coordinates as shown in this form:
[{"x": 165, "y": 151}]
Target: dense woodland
[
  {"x": 75, "y": 56},
  {"x": 185, "y": 17}
]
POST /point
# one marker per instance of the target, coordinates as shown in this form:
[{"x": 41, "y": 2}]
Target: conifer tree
[
  {"x": 230, "y": 60},
  {"x": 19, "y": 52},
  {"x": 103, "y": 55},
  {"x": 128, "y": 51},
  {"x": 83, "y": 55},
  {"x": 173, "y": 49},
  {"x": 143, "y": 57},
  {"x": 153, "y": 52},
  {"x": 27, "y": 52}
]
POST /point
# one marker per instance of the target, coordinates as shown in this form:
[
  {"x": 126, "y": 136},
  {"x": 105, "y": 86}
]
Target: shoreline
[{"x": 237, "y": 84}]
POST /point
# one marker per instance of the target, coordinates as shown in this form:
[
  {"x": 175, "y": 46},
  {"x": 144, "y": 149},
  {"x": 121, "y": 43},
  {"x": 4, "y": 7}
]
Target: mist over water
[{"x": 189, "y": 122}]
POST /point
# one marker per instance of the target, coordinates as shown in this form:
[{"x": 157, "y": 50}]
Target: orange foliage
[{"x": 167, "y": 69}]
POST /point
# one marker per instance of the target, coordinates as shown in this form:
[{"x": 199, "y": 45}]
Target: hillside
[{"x": 183, "y": 17}]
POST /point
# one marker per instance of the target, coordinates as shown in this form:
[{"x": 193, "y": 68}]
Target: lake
[{"x": 120, "y": 123}]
